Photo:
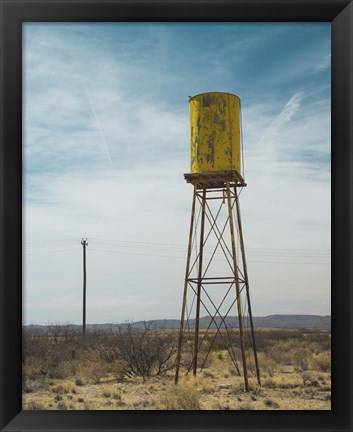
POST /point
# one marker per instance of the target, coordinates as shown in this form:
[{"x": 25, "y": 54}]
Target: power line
[
  {"x": 51, "y": 251},
  {"x": 180, "y": 246},
  {"x": 52, "y": 241},
  {"x": 155, "y": 244},
  {"x": 114, "y": 246},
  {"x": 182, "y": 257}
]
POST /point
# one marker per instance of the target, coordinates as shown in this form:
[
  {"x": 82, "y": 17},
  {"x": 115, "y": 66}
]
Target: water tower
[{"x": 216, "y": 287}]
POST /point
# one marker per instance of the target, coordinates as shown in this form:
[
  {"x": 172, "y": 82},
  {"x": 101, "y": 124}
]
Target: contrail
[
  {"x": 98, "y": 123},
  {"x": 287, "y": 112}
]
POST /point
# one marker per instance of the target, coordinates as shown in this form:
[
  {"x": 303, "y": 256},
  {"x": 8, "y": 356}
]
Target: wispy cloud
[
  {"x": 98, "y": 124},
  {"x": 280, "y": 121},
  {"x": 324, "y": 63},
  {"x": 140, "y": 111}
]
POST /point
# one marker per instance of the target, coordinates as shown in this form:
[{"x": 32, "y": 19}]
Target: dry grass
[
  {"x": 321, "y": 361},
  {"x": 283, "y": 392},
  {"x": 182, "y": 397},
  {"x": 295, "y": 376}
]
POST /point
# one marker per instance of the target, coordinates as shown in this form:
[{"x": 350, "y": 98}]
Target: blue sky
[{"x": 106, "y": 139}]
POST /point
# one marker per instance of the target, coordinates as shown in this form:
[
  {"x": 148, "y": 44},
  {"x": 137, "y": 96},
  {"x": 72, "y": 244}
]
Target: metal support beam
[
  {"x": 199, "y": 282},
  {"x": 242, "y": 248},
  {"x": 201, "y": 276},
  {"x": 240, "y": 317},
  {"x": 181, "y": 332}
]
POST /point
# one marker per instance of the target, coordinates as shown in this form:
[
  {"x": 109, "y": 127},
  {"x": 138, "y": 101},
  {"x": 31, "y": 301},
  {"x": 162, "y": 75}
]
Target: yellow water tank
[{"x": 215, "y": 132}]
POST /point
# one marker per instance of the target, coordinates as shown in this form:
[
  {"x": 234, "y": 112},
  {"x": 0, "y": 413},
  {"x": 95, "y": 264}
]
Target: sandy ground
[{"x": 212, "y": 389}]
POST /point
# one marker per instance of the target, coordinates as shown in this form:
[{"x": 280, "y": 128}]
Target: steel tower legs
[{"x": 199, "y": 285}]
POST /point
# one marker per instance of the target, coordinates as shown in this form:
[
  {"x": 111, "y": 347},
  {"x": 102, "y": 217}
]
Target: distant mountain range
[{"x": 271, "y": 321}]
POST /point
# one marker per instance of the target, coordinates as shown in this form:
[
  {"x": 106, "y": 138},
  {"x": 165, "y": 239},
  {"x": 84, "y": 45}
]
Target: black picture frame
[{"x": 13, "y": 14}]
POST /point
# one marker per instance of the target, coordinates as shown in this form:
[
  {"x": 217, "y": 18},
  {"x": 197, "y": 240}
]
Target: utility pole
[{"x": 84, "y": 245}]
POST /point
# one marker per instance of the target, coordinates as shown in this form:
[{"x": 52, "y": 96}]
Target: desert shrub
[
  {"x": 269, "y": 383},
  {"x": 291, "y": 352},
  {"x": 208, "y": 374},
  {"x": 280, "y": 345},
  {"x": 288, "y": 381},
  {"x": 105, "y": 345},
  {"x": 34, "y": 344},
  {"x": 33, "y": 370},
  {"x": 79, "y": 382},
  {"x": 182, "y": 397},
  {"x": 204, "y": 361},
  {"x": 220, "y": 355},
  {"x": 62, "y": 370},
  {"x": 96, "y": 373},
  {"x": 146, "y": 352},
  {"x": 186, "y": 360},
  {"x": 302, "y": 354},
  {"x": 271, "y": 404},
  {"x": 116, "y": 396},
  {"x": 31, "y": 386},
  {"x": 119, "y": 369},
  {"x": 51, "y": 350},
  {"x": 214, "y": 360},
  {"x": 266, "y": 364},
  {"x": 58, "y": 353},
  {"x": 62, "y": 406},
  {"x": 321, "y": 362},
  {"x": 281, "y": 352},
  {"x": 59, "y": 372},
  {"x": 33, "y": 405},
  {"x": 60, "y": 389},
  {"x": 63, "y": 333},
  {"x": 300, "y": 358},
  {"x": 223, "y": 407},
  {"x": 233, "y": 371},
  {"x": 55, "y": 374},
  {"x": 202, "y": 384},
  {"x": 245, "y": 407}
]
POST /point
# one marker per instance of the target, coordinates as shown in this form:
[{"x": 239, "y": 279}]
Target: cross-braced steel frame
[{"x": 222, "y": 186}]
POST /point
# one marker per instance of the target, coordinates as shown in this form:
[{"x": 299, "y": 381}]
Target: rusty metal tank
[{"x": 215, "y": 132}]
